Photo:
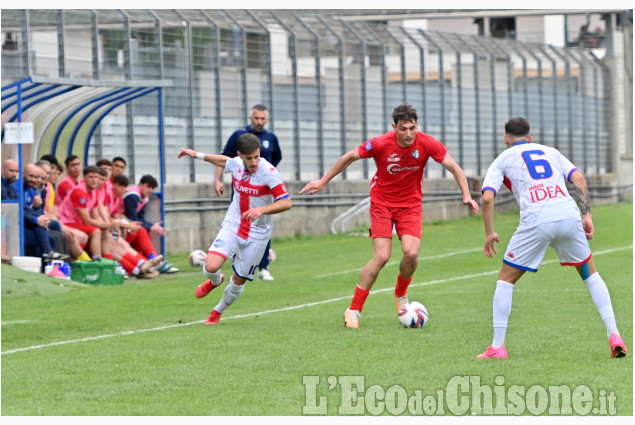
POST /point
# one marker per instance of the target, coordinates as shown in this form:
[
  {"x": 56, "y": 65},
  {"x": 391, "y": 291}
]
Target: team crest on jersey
[
  {"x": 393, "y": 158},
  {"x": 415, "y": 154},
  {"x": 246, "y": 176},
  {"x": 265, "y": 144},
  {"x": 82, "y": 201},
  {"x": 369, "y": 146}
]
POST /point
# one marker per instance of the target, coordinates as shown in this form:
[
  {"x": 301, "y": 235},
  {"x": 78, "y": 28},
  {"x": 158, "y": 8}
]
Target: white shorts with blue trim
[
  {"x": 245, "y": 255},
  {"x": 528, "y": 246}
]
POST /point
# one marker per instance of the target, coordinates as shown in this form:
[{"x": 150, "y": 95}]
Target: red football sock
[
  {"x": 359, "y": 298},
  {"x": 108, "y": 256},
  {"x": 128, "y": 263},
  {"x": 401, "y": 289}
]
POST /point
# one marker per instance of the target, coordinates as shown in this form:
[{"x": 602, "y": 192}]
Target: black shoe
[{"x": 58, "y": 256}]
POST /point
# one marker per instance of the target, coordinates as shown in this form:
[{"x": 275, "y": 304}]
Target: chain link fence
[{"x": 329, "y": 85}]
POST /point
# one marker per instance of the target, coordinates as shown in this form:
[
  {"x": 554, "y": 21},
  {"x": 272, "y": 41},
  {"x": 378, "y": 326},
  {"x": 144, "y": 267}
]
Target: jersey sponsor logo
[
  {"x": 539, "y": 192},
  {"x": 82, "y": 201},
  {"x": 218, "y": 243},
  {"x": 393, "y": 158},
  {"x": 395, "y": 168},
  {"x": 251, "y": 189},
  {"x": 415, "y": 154}
]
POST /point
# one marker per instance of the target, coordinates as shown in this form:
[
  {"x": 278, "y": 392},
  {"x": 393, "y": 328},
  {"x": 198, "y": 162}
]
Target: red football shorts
[
  {"x": 83, "y": 227},
  {"x": 407, "y": 221}
]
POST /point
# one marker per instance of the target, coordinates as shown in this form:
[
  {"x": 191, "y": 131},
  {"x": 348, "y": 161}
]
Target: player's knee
[
  {"x": 411, "y": 257},
  {"x": 96, "y": 233},
  {"x": 382, "y": 258},
  {"x": 209, "y": 268}
]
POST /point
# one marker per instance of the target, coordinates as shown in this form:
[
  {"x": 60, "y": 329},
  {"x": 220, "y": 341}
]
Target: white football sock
[
  {"x": 502, "y": 307},
  {"x": 231, "y": 294},
  {"x": 214, "y": 277},
  {"x": 602, "y": 299}
]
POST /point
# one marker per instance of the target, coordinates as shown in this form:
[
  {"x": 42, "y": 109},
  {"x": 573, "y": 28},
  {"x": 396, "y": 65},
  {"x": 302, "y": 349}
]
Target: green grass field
[{"x": 281, "y": 349}]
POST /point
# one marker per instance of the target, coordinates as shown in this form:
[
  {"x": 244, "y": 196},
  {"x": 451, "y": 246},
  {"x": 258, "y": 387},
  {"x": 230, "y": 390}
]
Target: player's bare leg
[
  {"x": 95, "y": 243},
  {"x": 410, "y": 247},
  {"x": 382, "y": 248},
  {"x": 381, "y": 254}
]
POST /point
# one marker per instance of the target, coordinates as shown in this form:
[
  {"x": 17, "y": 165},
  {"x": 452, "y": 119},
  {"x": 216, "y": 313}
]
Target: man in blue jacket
[{"x": 10, "y": 172}]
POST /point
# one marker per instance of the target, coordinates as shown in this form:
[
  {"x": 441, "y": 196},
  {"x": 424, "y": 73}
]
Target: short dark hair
[
  {"x": 50, "y": 158},
  {"x": 102, "y": 171},
  {"x": 121, "y": 180},
  {"x": 103, "y": 162},
  {"x": 518, "y": 126},
  {"x": 59, "y": 167},
  {"x": 149, "y": 180},
  {"x": 118, "y": 158},
  {"x": 69, "y": 159},
  {"x": 259, "y": 107},
  {"x": 404, "y": 112},
  {"x": 247, "y": 143},
  {"x": 90, "y": 169}
]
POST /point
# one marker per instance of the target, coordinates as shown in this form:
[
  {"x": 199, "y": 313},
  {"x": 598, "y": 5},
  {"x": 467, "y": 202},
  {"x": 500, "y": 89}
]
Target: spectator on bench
[{"x": 134, "y": 201}]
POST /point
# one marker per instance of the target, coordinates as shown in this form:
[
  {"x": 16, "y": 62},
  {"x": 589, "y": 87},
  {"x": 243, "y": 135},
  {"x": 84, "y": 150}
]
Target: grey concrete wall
[
  {"x": 194, "y": 224},
  {"x": 194, "y": 213}
]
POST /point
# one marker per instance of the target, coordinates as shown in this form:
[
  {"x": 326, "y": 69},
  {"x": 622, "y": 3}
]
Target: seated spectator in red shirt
[
  {"x": 73, "y": 168},
  {"x": 75, "y": 212}
]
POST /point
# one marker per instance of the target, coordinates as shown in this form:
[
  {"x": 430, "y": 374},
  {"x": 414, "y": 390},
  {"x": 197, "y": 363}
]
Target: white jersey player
[
  {"x": 258, "y": 192},
  {"x": 537, "y": 174}
]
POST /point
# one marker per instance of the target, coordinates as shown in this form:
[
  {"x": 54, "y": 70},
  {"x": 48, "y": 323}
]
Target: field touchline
[{"x": 280, "y": 310}]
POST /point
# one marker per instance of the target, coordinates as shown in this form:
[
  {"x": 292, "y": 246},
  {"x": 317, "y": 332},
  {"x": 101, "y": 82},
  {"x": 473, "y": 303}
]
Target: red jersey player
[
  {"x": 73, "y": 169},
  {"x": 395, "y": 198}
]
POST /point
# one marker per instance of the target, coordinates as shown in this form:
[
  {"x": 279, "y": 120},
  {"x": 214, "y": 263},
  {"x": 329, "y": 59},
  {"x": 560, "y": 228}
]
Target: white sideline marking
[
  {"x": 392, "y": 263},
  {"x": 14, "y": 322},
  {"x": 279, "y": 310}
]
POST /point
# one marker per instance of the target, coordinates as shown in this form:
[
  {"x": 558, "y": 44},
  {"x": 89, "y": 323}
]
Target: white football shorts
[
  {"x": 528, "y": 246},
  {"x": 245, "y": 255}
]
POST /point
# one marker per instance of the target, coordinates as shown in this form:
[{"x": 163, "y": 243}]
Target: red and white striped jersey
[
  {"x": 252, "y": 190},
  {"x": 536, "y": 176}
]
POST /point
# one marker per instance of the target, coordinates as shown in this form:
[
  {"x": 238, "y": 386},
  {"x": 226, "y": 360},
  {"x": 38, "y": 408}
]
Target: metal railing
[{"x": 329, "y": 85}]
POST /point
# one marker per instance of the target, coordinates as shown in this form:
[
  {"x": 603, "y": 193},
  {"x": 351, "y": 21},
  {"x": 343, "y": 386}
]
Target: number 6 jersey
[{"x": 536, "y": 175}]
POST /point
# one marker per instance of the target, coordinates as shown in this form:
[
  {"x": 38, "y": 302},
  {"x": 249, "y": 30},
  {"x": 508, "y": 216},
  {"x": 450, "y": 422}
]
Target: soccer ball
[
  {"x": 413, "y": 315},
  {"x": 197, "y": 258}
]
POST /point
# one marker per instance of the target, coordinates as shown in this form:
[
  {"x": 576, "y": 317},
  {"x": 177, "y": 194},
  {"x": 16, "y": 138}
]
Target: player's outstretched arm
[
  {"x": 218, "y": 160},
  {"x": 582, "y": 193},
  {"x": 340, "y": 165},
  {"x": 488, "y": 220},
  {"x": 459, "y": 176}
]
